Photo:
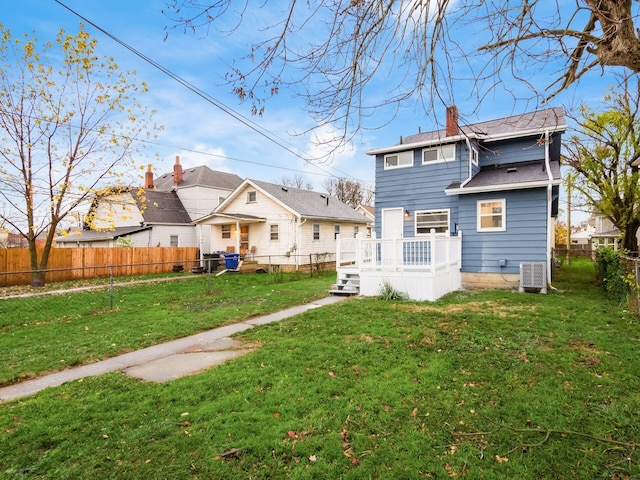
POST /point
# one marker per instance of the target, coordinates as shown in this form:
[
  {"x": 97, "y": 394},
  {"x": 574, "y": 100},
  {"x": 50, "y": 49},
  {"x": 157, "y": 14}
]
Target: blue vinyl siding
[
  {"x": 419, "y": 187},
  {"x": 513, "y": 151},
  {"x": 525, "y": 239}
]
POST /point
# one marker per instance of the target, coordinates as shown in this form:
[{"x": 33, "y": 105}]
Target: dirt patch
[{"x": 492, "y": 308}]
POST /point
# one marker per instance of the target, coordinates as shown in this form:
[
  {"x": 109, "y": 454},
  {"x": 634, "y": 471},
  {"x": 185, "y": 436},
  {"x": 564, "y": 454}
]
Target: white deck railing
[{"x": 427, "y": 253}]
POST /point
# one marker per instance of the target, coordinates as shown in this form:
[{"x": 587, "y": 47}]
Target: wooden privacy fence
[{"x": 85, "y": 263}]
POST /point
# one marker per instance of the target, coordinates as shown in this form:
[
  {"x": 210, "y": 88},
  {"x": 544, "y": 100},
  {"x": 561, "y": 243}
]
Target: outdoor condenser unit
[{"x": 533, "y": 275}]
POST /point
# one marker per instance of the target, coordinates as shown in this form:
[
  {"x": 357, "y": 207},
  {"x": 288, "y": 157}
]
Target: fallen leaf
[
  {"x": 292, "y": 433},
  {"x": 105, "y": 436},
  {"x": 331, "y": 374},
  {"x": 501, "y": 459},
  {"x": 276, "y": 415},
  {"x": 414, "y": 412},
  {"x": 355, "y": 461},
  {"x": 312, "y": 458}
]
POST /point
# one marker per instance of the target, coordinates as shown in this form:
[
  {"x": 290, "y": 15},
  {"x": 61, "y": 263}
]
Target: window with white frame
[
  {"x": 492, "y": 215},
  {"x": 428, "y": 219},
  {"x": 273, "y": 232},
  {"x": 474, "y": 156},
  {"x": 173, "y": 240},
  {"x": 251, "y": 196},
  {"x": 356, "y": 230},
  {"x": 226, "y": 231},
  {"x": 441, "y": 153},
  {"x": 316, "y": 231},
  {"x": 336, "y": 231},
  {"x": 398, "y": 160}
]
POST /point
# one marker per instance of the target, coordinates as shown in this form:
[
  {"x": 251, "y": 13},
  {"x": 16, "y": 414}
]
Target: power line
[{"x": 205, "y": 96}]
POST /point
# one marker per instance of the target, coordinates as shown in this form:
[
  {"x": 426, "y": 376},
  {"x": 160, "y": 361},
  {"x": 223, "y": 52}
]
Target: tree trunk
[{"x": 630, "y": 239}]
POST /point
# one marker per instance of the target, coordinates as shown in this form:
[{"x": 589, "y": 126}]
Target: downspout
[
  {"x": 299, "y": 238},
  {"x": 549, "y": 205},
  {"x": 470, "y": 163}
]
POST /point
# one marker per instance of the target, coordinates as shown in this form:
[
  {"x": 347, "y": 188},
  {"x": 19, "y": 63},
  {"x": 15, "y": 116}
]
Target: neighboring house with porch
[
  {"x": 464, "y": 206},
  {"x": 262, "y": 220}
]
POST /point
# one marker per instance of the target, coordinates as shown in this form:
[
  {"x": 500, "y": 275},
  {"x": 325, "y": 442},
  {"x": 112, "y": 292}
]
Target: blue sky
[{"x": 202, "y": 134}]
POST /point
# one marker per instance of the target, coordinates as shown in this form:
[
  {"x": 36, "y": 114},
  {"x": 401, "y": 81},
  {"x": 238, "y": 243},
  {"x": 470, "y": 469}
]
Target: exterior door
[
  {"x": 392, "y": 228},
  {"x": 392, "y": 223},
  {"x": 244, "y": 239}
]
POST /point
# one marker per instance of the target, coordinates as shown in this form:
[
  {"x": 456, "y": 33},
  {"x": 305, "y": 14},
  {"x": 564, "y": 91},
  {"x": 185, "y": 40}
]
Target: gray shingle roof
[
  {"x": 162, "y": 207},
  {"x": 199, "y": 176},
  {"x": 516, "y": 173},
  {"x": 99, "y": 235},
  {"x": 311, "y": 204},
  {"x": 550, "y": 118}
]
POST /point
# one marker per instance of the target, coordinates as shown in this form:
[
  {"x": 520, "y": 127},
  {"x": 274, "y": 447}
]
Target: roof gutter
[{"x": 498, "y": 188}]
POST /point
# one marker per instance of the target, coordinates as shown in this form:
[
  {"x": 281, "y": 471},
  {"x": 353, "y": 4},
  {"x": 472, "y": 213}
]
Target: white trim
[
  {"x": 456, "y": 138},
  {"x": 502, "y": 228},
  {"x": 501, "y": 188},
  {"x": 408, "y": 156},
  {"x": 439, "y": 154},
  {"x": 432, "y": 210}
]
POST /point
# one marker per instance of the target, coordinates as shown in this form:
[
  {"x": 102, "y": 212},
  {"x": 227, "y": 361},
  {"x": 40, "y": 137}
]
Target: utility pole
[{"x": 568, "y": 259}]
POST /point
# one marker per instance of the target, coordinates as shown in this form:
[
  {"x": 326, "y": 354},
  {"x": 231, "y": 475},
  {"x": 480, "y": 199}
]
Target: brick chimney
[
  {"x": 452, "y": 121},
  {"x": 148, "y": 178},
  {"x": 177, "y": 172}
]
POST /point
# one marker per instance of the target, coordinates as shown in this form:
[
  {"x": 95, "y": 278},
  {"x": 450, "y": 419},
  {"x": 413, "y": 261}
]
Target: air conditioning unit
[{"x": 533, "y": 275}]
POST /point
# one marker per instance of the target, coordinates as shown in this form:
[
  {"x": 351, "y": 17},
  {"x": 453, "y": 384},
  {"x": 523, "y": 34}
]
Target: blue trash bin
[{"x": 231, "y": 261}]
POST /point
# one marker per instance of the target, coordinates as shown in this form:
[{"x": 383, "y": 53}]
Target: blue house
[{"x": 489, "y": 189}]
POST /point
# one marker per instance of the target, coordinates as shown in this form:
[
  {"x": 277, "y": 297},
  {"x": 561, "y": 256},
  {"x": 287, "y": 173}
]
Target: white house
[{"x": 288, "y": 224}]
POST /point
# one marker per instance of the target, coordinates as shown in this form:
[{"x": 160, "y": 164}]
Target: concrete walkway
[{"x": 166, "y": 361}]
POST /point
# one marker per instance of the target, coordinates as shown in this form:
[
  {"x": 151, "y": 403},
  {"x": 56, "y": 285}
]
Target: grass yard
[
  {"x": 47, "y": 333},
  {"x": 481, "y": 385}
]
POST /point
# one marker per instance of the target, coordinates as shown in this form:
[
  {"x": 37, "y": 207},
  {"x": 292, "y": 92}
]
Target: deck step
[{"x": 347, "y": 284}]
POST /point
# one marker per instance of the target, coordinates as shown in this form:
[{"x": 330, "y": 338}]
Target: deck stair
[{"x": 347, "y": 284}]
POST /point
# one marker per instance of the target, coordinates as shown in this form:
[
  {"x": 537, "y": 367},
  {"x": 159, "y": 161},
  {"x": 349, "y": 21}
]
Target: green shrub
[
  {"x": 611, "y": 275},
  {"x": 387, "y": 292}
]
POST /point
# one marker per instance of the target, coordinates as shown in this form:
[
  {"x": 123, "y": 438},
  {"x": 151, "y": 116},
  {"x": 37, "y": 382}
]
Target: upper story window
[
  {"x": 492, "y": 215},
  {"x": 174, "y": 241},
  {"x": 474, "y": 156},
  {"x": 356, "y": 231},
  {"x": 398, "y": 160},
  {"x": 428, "y": 219},
  {"x": 316, "y": 231},
  {"x": 251, "y": 196},
  {"x": 441, "y": 153},
  {"x": 336, "y": 231},
  {"x": 273, "y": 232}
]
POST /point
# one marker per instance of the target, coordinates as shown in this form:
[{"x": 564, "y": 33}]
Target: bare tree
[
  {"x": 351, "y": 192},
  {"x": 68, "y": 126},
  {"x": 298, "y": 181},
  {"x": 600, "y": 157},
  {"x": 331, "y": 51}
]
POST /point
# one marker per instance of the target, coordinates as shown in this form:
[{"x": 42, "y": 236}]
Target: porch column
[{"x": 238, "y": 236}]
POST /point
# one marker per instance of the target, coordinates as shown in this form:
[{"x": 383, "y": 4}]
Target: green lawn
[
  {"x": 478, "y": 385},
  {"x": 47, "y": 333}
]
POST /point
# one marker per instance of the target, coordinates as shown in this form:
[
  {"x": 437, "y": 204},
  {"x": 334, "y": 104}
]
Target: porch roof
[{"x": 243, "y": 218}]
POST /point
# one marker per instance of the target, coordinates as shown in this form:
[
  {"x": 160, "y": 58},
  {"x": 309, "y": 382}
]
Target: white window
[
  {"x": 492, "y": 215},
  {"x": 173, "y": 240},
  {"x": 273, "y": 232},
  {"x": 316, "y": 231},
  {"x": 251, "y": 196},
  {"x": 428, "y": 219},
  {"x": 474, "y": 156},
  {"x": 336, "y": 231},
  {"x": 356, "y": 230},
  {"x": 226, "y": 231},
  {"x": 398, "y": 160},
  {"x": 442, "y": 153}
]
